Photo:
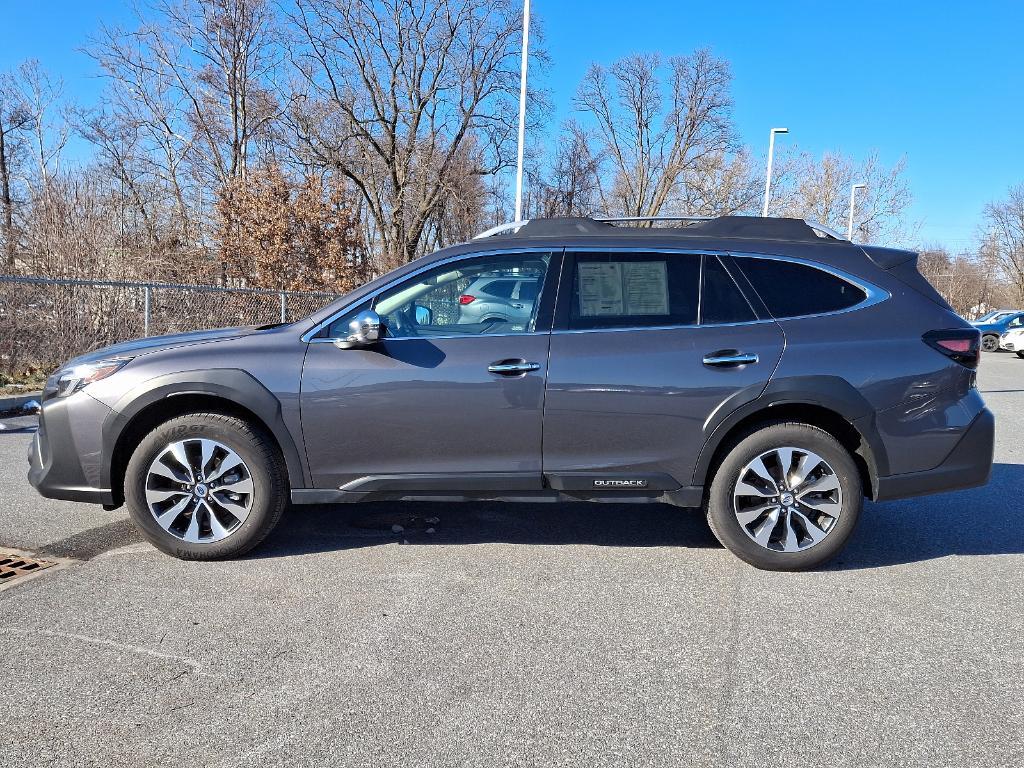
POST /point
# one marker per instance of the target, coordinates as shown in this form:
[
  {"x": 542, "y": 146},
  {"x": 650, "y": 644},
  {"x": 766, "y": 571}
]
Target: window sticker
[{"x": 623, "y": 288}]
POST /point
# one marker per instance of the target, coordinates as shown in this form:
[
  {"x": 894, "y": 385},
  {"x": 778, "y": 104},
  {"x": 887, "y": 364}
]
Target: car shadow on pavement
[
  {"x": 980, "y": 521},
  {"x": 321, "y": 528}
]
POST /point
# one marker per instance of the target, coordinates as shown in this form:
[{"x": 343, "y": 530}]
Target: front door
[
  {"x": 647, "y": 348},
  {"x": 448, "y": 400}
]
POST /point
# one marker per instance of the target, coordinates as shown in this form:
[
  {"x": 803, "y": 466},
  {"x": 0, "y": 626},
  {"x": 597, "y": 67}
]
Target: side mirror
[{"x": 364, "y": 330}]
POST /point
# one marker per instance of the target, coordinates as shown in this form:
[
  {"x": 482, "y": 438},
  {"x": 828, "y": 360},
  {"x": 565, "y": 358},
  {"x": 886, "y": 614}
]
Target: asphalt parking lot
[{"x": 547, "y": 635}]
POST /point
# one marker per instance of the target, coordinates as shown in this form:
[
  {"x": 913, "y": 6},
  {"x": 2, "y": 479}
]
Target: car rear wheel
[
  {"x": 990, "y": 343},
  {"x": 1020, "y": 355},
  {"x": 785, "y": 498},
  {"x": 206, "y": 486}
]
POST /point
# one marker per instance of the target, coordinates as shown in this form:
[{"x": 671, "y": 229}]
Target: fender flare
[
  {"x": 231, "y": 384},
  {"x": 830, "y": 392}
]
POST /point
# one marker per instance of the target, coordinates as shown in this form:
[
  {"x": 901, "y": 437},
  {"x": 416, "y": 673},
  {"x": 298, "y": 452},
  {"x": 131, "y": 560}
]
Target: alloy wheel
[
  {"x": 199, "y": 490},
  {"x": 787, "y": 499},
  {"x": 990, "y": 343}
]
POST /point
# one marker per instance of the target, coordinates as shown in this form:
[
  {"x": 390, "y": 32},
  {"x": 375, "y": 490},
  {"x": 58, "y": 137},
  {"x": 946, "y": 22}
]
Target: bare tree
[
  {"x": 571, "y": 186},
  {"x": 394, "y": 89},
  {"x": 1004, "y": 236},
  {"x": 657, "y": 122},
  {"x": 15, "y": 122},
  {"x": 819, "y": 189},
  {"x": 41, "y": 98}
]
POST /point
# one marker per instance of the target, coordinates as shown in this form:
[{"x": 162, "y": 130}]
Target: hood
[{"x": 143, "y": 346}]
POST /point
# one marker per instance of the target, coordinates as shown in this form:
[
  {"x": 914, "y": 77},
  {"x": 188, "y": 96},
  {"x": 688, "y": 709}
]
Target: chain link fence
[{"x": 45, "y": 321}]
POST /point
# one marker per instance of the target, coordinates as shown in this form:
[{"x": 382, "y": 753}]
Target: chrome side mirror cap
[{"x": 364, "y": 330}]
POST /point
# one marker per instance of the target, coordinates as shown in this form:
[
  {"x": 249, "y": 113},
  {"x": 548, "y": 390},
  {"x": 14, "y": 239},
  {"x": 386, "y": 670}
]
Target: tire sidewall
[
  {"x": 720, "y": 498},
  {"x": 266, "y": 486}
]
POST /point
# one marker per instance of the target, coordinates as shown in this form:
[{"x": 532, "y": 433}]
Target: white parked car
[{"x": 1013, "y": 341}]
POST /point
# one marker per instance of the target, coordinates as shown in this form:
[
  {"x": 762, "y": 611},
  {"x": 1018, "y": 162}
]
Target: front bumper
[
  {"x": 65, "y": 457},
  {"x": 1011, "y": 344},
  {"x": 968, "y": 465}
]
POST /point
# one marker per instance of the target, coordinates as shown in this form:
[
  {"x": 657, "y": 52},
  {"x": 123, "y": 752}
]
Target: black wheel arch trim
[
  {"x": 229, "y": 384},
  {"x": 831, "y": 393}
]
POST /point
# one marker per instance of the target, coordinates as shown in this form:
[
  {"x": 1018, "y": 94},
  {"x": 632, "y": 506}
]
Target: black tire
[
  {"x": 722, "y": 517},
  {"x": 1020, "y": 355},
  {"x": 990, "y": 342},
  {"x": 263, "y": 460}
]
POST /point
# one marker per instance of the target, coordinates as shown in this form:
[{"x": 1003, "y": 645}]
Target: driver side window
[{"x": 473, "y": 296}]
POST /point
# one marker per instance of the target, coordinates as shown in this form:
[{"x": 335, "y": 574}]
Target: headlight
[{"x": 79, "y": 377}]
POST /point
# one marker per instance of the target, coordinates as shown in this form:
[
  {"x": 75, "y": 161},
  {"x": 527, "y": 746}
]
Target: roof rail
[
  {"x": 687, "y": 219},
  {"x": 514, "y": 226}
]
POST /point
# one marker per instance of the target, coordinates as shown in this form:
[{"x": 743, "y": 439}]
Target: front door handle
[
  {"x": 727, "y": 358},
  {"x": 512, "y": 367}
]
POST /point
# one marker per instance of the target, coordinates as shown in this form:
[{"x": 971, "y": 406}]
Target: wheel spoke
[
  {"x": 808, "y": 463},
  {"x": 748, "y": 516},
  {"x": 761, "y": 471},
  {"x": 828, "y": 506},
  {"x": 156, "y": 496},
  {"x": 229, "y": 462},
  {"x": 206, "y": 449},
  {"x": 239, "y": 486},
  {"x": 816, "y": 533},
  {"x": 167, "y": 518},
  {"x": 823, "y": 484},
  {"x": 165, "y": 470},
  {"x": 785, "y": 464},
  {"x": 218, "y": 530},
  {"x": 192, "y": 533},
  {"x": 744, "y": 488},
  {"x": 790, "y": 543},
  {"x": 177, "y": 450},
  {"x": 764, "y": 531},
  {"x": 236, "y": 510}
]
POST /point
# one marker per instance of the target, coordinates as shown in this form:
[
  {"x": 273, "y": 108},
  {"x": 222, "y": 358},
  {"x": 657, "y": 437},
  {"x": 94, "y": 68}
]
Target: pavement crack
[{"x": 127, "y": 647}]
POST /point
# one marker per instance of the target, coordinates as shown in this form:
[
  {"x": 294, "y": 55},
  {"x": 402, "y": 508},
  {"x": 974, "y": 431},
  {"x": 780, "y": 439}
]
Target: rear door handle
[
  {"x": 725, "y": 358},
  {"x": 512, "y": 367}
]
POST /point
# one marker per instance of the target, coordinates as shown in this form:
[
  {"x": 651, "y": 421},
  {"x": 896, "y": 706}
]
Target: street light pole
[
  {"x": 768, "y": 175},
  {"x": 522, "y": 110},
  {"x": 853, "y": 196}
]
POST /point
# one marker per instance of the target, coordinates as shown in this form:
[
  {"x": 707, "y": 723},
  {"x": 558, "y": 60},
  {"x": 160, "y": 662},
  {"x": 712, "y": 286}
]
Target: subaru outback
[{"x": 766, "y": 371}]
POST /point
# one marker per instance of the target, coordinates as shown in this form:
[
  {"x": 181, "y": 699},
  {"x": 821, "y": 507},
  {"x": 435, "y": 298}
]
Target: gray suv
[
  {"x": 765, "y": 370},
  {"x": 500, "y": 298}
]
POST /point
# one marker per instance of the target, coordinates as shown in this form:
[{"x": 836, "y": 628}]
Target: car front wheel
[
  {"x": 206, "y": 486},
  {"x": 785, "y": 498}
]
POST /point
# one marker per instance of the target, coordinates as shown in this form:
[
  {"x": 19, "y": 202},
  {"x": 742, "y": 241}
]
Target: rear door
[{"x": 647, "y": 347}]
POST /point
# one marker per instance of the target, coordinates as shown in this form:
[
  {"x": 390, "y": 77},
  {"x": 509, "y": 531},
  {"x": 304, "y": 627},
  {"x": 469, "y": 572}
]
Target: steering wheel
[{"x": 400, "y": 324}]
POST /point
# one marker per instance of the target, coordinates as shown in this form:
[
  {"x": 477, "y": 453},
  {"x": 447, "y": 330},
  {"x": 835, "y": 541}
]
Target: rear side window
[
  {"x": 721, "y": 301},
  {"x": 634, "y": 289},
  {"x": 792, "y": 290},
  {"x": 500, "y": 288},
  {"x": 527, "y": 290}
]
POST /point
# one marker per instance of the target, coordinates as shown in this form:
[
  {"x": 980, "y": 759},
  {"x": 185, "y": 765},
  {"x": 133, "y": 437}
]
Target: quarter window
[
  {"x": 634, "y": 289},
  {"x": 789, "y": 289}
]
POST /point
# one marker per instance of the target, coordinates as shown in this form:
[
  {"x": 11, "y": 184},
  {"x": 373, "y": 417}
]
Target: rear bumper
[
  {"x": 968, "y": 465},
  {"x": 64, "y": 458}
]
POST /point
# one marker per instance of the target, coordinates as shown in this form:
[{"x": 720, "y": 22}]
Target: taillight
[
  {"x": 961, "y": 344},
  {"x": 465, "y": 299}
]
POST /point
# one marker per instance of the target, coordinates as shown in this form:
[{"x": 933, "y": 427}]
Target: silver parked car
[{"x": 499, "y": 298}]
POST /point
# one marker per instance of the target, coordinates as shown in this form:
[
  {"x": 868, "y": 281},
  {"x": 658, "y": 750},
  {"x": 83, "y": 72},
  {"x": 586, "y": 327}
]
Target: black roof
[{"x": 723, "y": 226}]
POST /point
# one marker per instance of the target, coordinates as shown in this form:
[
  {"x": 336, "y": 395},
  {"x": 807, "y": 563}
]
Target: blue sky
[{"x": 939, "y": 82}]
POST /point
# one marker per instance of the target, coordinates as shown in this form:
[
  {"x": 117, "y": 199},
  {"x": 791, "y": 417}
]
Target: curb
[{"x": 15, "y": 402}]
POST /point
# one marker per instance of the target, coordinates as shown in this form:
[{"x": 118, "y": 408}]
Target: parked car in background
[
  {"x": 993, "y": 315},
  {"x": 1013, "y": 341},
  {"x": 766, "y": 371},
  {"x": 499, "y": 298},
  {"x": 992, "y": 329}
]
